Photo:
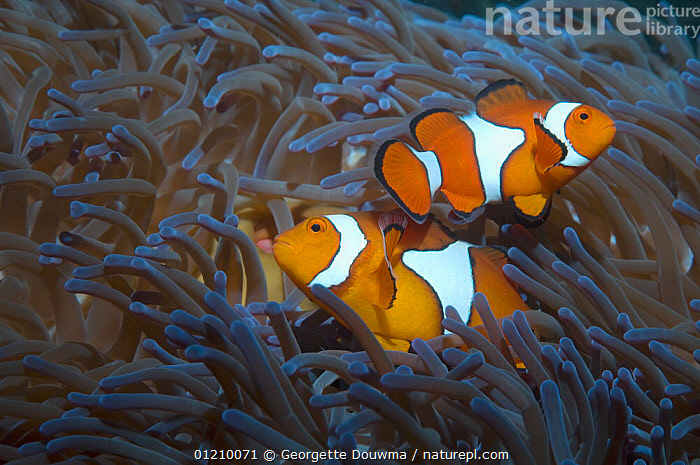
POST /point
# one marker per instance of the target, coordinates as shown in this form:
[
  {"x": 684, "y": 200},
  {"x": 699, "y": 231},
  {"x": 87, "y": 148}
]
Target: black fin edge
[
  {"x": 422, "y": 115},
  {"x": 532, "y": 221}
]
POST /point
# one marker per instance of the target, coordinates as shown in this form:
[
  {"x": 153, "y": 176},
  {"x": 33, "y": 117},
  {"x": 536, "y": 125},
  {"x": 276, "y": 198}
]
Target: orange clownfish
[
  {"x": 397, "y": 275},
  {"x": 511, "y": 149}
]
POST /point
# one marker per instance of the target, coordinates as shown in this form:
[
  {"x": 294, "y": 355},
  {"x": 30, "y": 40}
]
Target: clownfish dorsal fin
[
  {"x": 431, "y": 125},
  {"x": 550, "y": 150},
  {"x": 533, "y": 209},
  {"x": 492, "y": 254},
  {"x": 499, "y": 94}
]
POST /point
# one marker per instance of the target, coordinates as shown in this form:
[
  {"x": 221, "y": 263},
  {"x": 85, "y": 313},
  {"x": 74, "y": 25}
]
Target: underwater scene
[{"x": 349, "y": 232}]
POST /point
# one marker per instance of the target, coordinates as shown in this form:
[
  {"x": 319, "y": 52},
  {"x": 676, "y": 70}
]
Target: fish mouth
[
  {"x": 282, "y": 242},
  {"x": 608, "y": 133}
]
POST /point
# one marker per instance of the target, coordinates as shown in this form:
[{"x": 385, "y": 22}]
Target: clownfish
[
  {"x": 511, "y": 149},
  {"x": 396, "y": 274}
]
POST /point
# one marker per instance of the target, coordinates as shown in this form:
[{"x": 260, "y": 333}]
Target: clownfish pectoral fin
[
  {"x": 385, "y": 290},
  {"x": 550, "y": 150},
  {"x": 465, "y": 207},
  {"x": 392, "y": 224},
  {"x": 409, "y": 176},
  {"x": 533, "y": 209},
  {"x": 390, "y": 343},
  {"x": 499, "y": 94}
]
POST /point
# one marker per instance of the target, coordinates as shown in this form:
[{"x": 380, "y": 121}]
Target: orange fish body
[
  {"x": 511, "y": 149},
  {"x": 397, "y": 275}
]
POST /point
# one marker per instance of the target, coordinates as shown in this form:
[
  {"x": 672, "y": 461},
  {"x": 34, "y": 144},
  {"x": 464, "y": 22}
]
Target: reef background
[{"x": 150, "y": 150}]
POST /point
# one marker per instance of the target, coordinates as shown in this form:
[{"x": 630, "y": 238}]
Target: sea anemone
[{"x": 150, "y": 150}]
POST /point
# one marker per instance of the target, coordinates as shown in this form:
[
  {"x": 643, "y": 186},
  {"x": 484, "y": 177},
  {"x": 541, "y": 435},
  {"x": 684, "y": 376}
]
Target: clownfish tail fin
[{"x": 411, "y": 177}]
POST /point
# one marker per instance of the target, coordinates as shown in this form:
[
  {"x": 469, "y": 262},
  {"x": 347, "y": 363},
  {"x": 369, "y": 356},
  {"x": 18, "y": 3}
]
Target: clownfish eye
[
  {"x": 316, "y": 225},
  {"x": 583, "y": 115}
]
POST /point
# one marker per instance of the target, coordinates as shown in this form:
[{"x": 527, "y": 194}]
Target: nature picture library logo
[{"x": 655, "y": 20}]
